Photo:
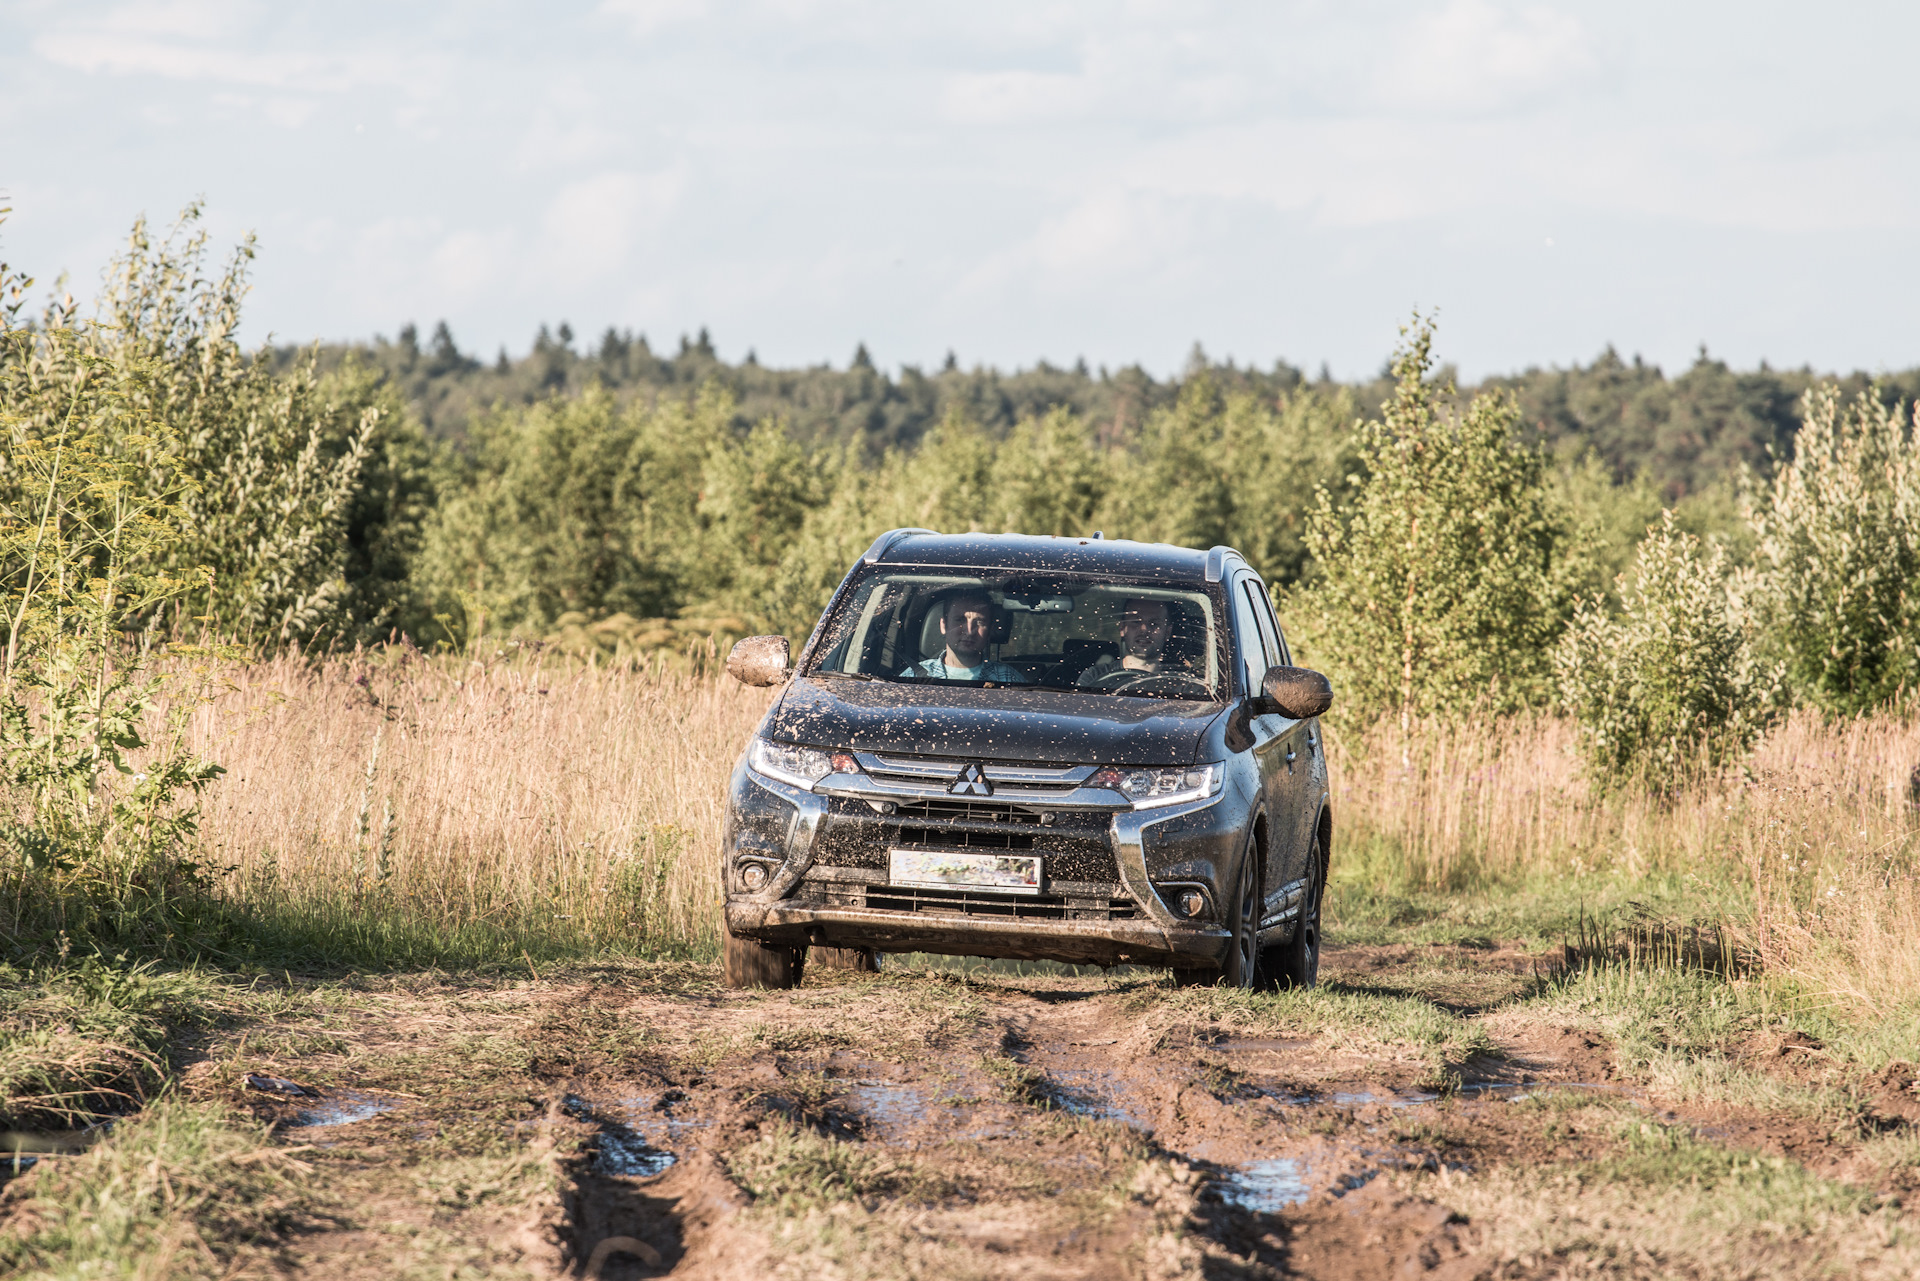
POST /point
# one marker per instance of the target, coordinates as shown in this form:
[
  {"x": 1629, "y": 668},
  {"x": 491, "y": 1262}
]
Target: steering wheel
[{"x": 1167, "y": 684}]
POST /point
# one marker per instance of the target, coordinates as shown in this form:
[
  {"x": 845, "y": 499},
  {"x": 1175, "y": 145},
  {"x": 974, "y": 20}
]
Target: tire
[
  {"x": 1242, "y": 968},
  {"x": 751, "y": 963},
  {"x": 861, "y": 960},
  {"x": 1296, "y": 964}
]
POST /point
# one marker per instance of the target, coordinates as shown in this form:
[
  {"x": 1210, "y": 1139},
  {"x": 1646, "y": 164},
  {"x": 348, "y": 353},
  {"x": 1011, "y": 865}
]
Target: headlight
[
  {"x": 1147, "y": 788},
  {"x": 801, "y": 766}
]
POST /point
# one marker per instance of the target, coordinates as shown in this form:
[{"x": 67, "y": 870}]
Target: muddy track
[{"x": 983, "y": 1126}]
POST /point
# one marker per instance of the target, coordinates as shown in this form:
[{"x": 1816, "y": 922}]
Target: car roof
[{"x": 1119, "y": 557}]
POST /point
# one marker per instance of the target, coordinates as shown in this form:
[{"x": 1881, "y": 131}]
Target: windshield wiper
[{"x": 847, "y": 676}]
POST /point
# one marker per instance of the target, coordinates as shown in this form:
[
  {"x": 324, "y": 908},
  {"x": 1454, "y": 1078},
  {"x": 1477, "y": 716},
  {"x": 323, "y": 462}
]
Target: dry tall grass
[
  {"x": 572, "y": 801},
  {"x": 1817, "y": 835},
  {"x": 584, "y": 803}
]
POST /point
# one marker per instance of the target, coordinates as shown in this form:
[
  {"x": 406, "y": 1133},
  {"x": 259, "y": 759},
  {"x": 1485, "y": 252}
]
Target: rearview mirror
[
  {"x": 762, "y": 660},
  {"x": 1296, "y": 692}
]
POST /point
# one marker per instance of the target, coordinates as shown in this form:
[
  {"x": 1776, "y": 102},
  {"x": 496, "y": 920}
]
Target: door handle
[{"x": 1290, "y": 754}]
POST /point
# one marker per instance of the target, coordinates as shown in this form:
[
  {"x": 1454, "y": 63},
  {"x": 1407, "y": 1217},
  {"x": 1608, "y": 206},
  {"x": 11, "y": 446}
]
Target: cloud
[
  {"x": 644, "y": 17},
  {"x": 225, "y": 43},
  {"x": 1010, "y": 97},
  {"x": 1474, "y": 56},
  {"x": 592, "y": 226}
]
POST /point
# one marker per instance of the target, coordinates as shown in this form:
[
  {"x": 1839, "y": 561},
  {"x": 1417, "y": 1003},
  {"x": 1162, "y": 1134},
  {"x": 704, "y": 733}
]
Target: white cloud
[
  {"x": 644, "y": 17},
  {"x": 591, "y": 226},
  {"x": 1475, "y": 56}
]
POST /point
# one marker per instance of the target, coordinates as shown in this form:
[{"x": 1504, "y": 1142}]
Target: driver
[
  {"x": 1145, "y": 629},
  {"x": 967, "y": 623}
]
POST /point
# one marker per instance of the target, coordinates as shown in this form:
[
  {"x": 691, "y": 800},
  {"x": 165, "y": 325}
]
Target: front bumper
[
  {"x": 1075, "y": 942},
  {"x": 823, "y": 853}
]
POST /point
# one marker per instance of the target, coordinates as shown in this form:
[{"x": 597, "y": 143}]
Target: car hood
[{"x": 1005, "y": 724}]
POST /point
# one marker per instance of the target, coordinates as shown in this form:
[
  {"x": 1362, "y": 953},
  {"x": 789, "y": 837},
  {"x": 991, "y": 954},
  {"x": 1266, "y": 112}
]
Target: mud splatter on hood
[{"x": 991, "y": 724}]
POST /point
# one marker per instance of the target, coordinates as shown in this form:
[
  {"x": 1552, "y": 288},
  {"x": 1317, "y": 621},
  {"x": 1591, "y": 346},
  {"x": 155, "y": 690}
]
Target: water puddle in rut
[
  {"x": 623, "y": 1150},
  {"x": 340, "y": 1107},
  {"x": 1265, "y": 1187}
]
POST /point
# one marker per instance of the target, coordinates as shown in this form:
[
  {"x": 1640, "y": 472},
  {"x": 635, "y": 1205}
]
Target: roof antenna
[{"x": 1098, "y": 534}]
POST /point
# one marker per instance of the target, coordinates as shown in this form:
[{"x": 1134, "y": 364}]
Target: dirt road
[{"x": 1428, "y": 1112}]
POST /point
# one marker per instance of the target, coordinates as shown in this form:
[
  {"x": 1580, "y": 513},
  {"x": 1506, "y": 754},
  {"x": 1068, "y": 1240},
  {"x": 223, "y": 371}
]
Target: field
[{"x": 465, "y": 1021}]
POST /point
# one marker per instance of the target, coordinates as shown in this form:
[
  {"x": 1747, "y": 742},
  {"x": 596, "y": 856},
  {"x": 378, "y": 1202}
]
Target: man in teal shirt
[{"x": 967, "y": 624}]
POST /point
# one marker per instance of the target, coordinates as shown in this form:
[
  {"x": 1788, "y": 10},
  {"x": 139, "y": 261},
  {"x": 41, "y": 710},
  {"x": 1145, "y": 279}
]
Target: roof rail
[
  {"x": 1217, "y": 562},
  {"x": 883, "y": 544}
]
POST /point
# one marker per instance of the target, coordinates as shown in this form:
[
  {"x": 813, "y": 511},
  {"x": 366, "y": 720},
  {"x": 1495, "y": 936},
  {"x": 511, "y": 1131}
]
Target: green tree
[
  {"x": 308, "y": 490},
  {"x": 96, "y": 820},
  {"x": 1443, "y": 581},
  {"x": 1670, "y": 685},
  {"x": 1837, "y": 552}
]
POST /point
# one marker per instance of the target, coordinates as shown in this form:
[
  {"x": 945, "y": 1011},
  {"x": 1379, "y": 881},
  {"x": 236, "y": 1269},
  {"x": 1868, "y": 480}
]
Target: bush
[
  {"x": 1443, "y": 582},
  {"x": 1671, "y": 685},
  {"x": 1838, "y": 553},
  {"x": 300, "y": 496}
]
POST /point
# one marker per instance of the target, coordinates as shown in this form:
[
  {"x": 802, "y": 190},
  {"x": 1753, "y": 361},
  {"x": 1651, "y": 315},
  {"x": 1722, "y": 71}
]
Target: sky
[{"x": 1011, "y": 182}]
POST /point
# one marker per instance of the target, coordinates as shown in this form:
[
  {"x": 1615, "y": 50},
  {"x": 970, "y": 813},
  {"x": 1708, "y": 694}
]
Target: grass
[
  {"x": 180, "y": 1190},
  {"x": 399, "y": 811},
  {"x": 1664, "y": 1204},
  {"x": 85, "y": 1037},
  {"x": 1346, "y": 1018}
]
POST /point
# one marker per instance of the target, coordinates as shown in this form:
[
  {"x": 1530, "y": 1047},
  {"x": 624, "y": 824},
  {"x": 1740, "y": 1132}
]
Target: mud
[{"x": 977, "y": 1125}]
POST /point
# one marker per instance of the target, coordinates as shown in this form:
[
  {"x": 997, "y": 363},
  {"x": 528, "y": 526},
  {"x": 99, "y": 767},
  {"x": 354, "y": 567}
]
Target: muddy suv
[{"x": 1075, "y": 749}]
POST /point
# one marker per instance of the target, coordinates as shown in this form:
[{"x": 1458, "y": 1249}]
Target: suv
[{"x": 1071, "y": 749}]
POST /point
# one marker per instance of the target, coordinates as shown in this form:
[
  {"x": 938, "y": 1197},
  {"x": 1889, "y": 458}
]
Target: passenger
[
  {"x": 1145, "y": 628},
  {"x": 967, "y": 624}
]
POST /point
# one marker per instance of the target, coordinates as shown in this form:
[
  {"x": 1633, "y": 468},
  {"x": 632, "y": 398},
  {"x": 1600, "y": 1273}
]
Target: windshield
[{"x": 1066, "y": 632}]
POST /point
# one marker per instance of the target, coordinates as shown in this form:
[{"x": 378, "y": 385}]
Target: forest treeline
[
  {"x": 1682, "y": 433},
  {"x": 1480, "y": 541}
]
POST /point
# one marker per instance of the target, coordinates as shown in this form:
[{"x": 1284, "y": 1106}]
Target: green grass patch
[
  {"x": 1349, "y": 1017},
  {"x": 180, "y": 1190},
  {"x": 83, "y": 1037},
  {"x": 1374, "y": 902},
  {"x": 790, "y": 1169}
]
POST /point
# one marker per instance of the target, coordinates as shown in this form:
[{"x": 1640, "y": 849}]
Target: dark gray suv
[{"x": 1076, "y": 749}]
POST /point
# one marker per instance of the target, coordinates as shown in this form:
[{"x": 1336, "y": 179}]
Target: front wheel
[
  {"x": 1243, "y": 957},
  {"x": 1296, "y": 964},
  {"x": 751, "y": 963}
]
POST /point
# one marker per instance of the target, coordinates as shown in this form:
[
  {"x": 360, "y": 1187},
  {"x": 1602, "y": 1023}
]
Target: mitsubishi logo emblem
[{"x": 970, "y": 781}]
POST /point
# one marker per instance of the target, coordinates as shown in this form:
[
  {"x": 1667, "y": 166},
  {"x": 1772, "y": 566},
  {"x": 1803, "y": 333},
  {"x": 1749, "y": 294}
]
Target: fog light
[
  {"x": 753, "y": 875},
  {"x": 1189, "y": 902}
]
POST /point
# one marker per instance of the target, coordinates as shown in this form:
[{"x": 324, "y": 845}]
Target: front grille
[
  {"x": 1077, "y": 845},
  {"x": 922, "y": 771},
  {"x": 945, "y": 838},
  {"x": 967, "y": 812},
  {"x": 1025, "y": 907}
]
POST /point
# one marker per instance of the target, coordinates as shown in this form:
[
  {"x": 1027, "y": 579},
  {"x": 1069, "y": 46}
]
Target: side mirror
[
  {"x": 762, "y": 660},
  {"x": 1296, "y": 692}
]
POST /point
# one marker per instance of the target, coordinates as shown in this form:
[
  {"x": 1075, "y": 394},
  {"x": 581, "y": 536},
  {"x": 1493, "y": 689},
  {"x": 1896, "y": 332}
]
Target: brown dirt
[{"x": 1032, "y": 1127}]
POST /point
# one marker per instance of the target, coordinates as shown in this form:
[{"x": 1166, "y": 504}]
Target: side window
[
  {"x": 1263, "y": 614},
  {"x": 1253, "y": 644},
  {"x": 1284, "y": 655}
]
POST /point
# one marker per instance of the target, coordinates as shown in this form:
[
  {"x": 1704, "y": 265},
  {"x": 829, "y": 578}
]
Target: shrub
[
  {"x": 1444, "y": 580},
  {"x": 1670, "y": 685},
  {"x": 306, "y": 492},
  {"x": 98, "y": 822},
  {"x": 1838, "y": 552}
]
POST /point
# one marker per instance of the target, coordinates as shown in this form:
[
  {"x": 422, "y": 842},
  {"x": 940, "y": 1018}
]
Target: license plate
[{"x": 935, "y": 870}]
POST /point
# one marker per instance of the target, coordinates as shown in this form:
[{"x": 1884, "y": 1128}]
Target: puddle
[
  {"x": 647, "y": 1115},
  {"x": 1266, "y": 1187},
  {"x": 341, "y": 1107},
  {"x": 1090, "y": 1093},
  {"x": 1509, "y": 1092},
  {"x": 619, "y": 1149},
  {"x": 890, "y": 1105}
]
